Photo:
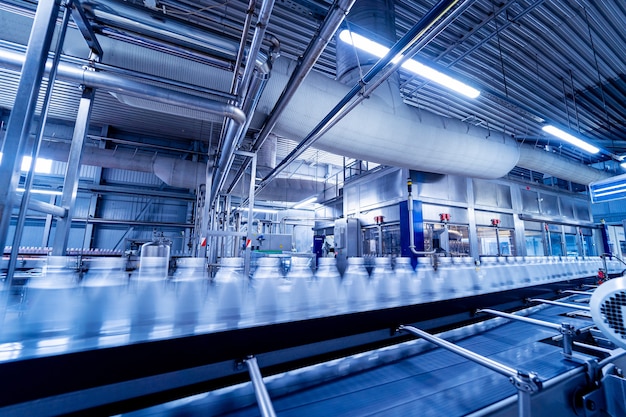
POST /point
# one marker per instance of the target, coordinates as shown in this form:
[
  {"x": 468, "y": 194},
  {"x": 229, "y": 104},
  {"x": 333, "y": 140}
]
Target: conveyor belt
[{"x": 435, "y": 383}]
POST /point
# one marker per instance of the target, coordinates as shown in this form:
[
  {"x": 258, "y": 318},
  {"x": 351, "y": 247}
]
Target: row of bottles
[{"x": 107, "y": 301}]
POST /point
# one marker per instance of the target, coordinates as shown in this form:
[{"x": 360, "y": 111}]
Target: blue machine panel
[{"x": 418, "y": 229}]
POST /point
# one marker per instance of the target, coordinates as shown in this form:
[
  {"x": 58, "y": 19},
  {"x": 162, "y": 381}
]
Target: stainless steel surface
[
  {"x": 20, "y": 122},
  {"x": 263, "y": 398},
  {"x": 560, "y": 303},
  {"x": 524, "y": 319},
  {"x": 525, "y": 382},
  {"x": 486, "y": 362},
  {"x": 70, "y": 181},
  {"x": 28, "y": 182}
]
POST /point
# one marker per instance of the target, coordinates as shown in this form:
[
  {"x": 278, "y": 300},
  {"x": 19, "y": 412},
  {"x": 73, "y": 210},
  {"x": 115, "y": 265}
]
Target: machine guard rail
[{"x": 525, "y": 382}]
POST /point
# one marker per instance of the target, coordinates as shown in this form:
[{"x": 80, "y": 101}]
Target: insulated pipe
[
  {"x": 242, "y": 45},
  {"x": 560, "y": 167},
  {"x": 162, "y": 27},
  {"x": 251, "y": 93},
  {"x": 255, "y": 46},
  {"x": 314, "y": 50},
  {"x": 412, "y": 36},
  {"x": 115, "y": 84},
  {"x": 47, "y": 208}
]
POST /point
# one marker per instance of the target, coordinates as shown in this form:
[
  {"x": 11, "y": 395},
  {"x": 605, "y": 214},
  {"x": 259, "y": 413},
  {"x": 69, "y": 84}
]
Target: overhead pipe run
[
  {"x": 412, "y": 36},
  {"x": 122, "y": 85},
  {"x": 250, "y": 92},
  {"x": 413, "y": 138},
  {"x": 314, "y": 50},
  {"x": 175, "y": 172}
]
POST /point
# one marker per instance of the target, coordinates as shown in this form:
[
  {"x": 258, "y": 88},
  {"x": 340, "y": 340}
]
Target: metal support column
[
  {"x": 20, "y": 121},
  {"x": 247, "y": 254},
  {"x": 95, "y": 197},
  {"x": 525, "y": 382},
  {"x": 25, "y": 204},
  {"x": 262, "y": 397},
  {"x": 70, "y": 184}
]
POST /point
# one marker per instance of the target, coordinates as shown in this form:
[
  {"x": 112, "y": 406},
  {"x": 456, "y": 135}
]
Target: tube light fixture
[
  {"x": 555, "y": 131},
  {"x": 42, "y": 165},
  {"x": 37, "y": 191},
  {"x": 411, "y": 65},
  {"x": 305, "y": 203}
]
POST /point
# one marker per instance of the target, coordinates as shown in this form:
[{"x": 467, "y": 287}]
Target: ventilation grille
[{"x": 608, "y": 309}]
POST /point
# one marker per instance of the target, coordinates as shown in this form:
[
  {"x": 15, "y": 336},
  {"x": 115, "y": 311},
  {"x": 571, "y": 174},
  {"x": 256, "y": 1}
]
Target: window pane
[
  {"x": 571, "y": 245},
  {"x": 534, "y": 243},
  {"x": 556, "y": 244},
  {"x": 488, "y": 241}
]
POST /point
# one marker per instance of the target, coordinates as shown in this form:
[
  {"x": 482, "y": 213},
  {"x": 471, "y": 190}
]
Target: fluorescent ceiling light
[
  {"x": 46, "y": 192},
  {"x": 42, "y": 166},
  {"x": 411, "y": 65},
  {"x": 257, "y": 210},
  {"x": 570, "y": 139},
  {"x": 305, "y": 203},
  {"x": 264, "y": 210}
]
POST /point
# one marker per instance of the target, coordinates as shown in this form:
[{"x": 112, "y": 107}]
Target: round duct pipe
[
  {"x": 385, "y": 130},
  {"x": 374, "y": 19},
  {"x": 178, "y": 172},
  {"x": 557, "y": 166}
]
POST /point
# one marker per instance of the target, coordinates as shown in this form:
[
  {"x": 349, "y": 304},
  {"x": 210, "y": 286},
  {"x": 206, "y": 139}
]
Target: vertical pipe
[
  {"x": 70, "y": 183},
  {"x": 21, "y": 218},
  {"x": 262, "y": 397},
  {"x": 523, "y": 403},
  {"x": 250, "y": 213},
  {"x": 21, "y": 118}
]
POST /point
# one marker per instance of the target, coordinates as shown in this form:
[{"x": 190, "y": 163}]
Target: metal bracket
[{"x": 80, "y": 18}]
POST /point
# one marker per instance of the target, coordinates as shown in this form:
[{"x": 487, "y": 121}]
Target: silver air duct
[
  {"x": 382, "y": 129},
  {"x": 177, "y": 172}
]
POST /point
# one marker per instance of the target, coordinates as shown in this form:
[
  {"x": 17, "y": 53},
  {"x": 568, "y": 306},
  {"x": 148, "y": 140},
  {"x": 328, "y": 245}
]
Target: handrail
[
  {"x": 525, "y": 382},
  {"x": 560, "y": 303}
]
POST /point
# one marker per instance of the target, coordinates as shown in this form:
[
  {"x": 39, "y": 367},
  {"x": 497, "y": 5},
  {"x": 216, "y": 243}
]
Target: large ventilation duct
[
  {"x": 374, "y": 19},
  {"x": 383, "y": 129},
  {"x": 177, "y": 172},
  {"x": 558, "y": 166}
]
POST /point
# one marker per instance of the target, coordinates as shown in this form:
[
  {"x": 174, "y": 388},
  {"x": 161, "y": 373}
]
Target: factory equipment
[
  {"x": 348, "y": 241},
  {"x": 204, "y": 337},
  {"x": 271, "y": 242}
]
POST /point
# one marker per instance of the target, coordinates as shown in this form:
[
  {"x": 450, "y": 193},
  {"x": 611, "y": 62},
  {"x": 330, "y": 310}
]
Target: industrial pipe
[
  {"x": 411, "y": 226},
  {"x": 412, "y": 36},
  {"x": 122, "y": 85},
  {"x": 251, "y": 94},
  {"x": 47, "y": 208},
  {"x": 561, "y": 304},
  {"x": 314, "y": 50}
]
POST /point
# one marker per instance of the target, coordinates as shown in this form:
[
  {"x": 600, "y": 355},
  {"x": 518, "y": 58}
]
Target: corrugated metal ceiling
[{"x": 562, "y": 61}]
